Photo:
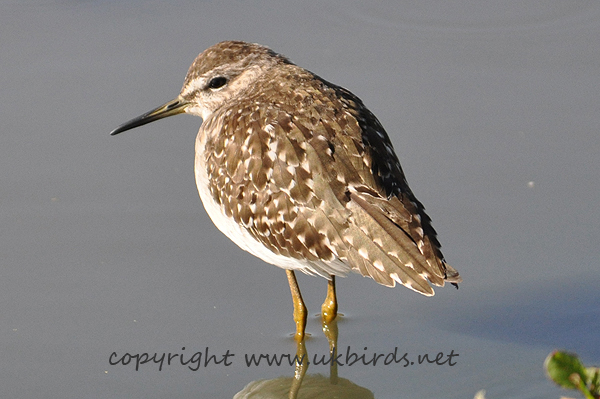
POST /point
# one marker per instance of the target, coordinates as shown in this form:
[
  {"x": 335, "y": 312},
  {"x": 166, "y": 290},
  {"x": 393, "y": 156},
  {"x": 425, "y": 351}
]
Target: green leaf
[
  {"x": 593, "y": 374},
  {"x": 566, "y": 370}
]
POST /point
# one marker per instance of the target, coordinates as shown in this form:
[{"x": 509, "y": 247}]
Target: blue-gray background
[{"x": 493, "y": 108}]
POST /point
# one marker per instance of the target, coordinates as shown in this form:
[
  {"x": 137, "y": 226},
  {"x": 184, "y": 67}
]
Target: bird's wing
[
  {"x": 388, "y": 235},
  {"x": 387, "y": 194},
  {"x": 261, "y": 171},
  {"x": 310, "y": 185}
]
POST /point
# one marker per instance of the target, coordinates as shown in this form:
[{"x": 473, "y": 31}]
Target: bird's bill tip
[{"x": 173, "y": 107}]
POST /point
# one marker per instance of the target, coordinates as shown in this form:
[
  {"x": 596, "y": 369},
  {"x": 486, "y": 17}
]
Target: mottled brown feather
[{"x": 311, "y": 174}]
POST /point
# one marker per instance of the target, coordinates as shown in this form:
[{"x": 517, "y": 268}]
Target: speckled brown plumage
[
  {"x": 311, "y": 174},
  {"x": 300, "y": 173}
]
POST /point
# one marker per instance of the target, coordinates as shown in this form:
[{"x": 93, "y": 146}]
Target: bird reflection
[{"x": 306, "y": 386}]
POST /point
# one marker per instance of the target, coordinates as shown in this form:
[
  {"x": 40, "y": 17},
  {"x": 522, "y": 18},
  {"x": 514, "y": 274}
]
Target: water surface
[{"x": 492, "y": 109}]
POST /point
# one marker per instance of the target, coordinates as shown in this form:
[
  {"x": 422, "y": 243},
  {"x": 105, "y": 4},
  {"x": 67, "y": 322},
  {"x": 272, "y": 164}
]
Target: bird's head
[{"x": 216, "y": 76}]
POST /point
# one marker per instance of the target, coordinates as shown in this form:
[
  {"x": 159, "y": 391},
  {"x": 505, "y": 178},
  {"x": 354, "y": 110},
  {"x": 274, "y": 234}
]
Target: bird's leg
[
  {"x": 299, "y": 307},
  {"x": 330, "y": 329},
  {"x": 329, "y": 307}
]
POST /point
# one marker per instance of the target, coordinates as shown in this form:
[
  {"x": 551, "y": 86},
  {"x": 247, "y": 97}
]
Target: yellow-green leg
[
  {"x": 330, "y": 329},
  {"x": 299, "y": 307},
  {"x": 329, "y": 307}
]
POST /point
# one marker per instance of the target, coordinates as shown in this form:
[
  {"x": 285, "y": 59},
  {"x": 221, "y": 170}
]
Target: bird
[{"x": 298, "y": 172}]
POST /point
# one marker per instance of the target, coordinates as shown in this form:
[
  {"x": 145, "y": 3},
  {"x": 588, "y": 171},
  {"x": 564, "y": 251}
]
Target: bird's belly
[{"x": 239, "y": 235}]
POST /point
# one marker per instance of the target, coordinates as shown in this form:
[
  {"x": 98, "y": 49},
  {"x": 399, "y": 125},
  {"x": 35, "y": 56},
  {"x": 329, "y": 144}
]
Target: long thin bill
[{"x": 173, "y": 107}]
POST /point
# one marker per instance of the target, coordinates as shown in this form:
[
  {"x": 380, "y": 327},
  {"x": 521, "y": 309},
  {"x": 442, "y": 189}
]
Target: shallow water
[{"x": 492, "y": 109}]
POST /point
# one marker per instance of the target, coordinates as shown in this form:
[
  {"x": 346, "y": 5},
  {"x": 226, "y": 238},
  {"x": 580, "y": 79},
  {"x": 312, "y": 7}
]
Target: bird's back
[{"x": 304, "y": 168}]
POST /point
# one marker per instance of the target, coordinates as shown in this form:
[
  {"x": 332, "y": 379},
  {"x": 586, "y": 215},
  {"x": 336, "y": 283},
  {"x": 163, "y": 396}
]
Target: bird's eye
[{"x": 217, "y": 82}]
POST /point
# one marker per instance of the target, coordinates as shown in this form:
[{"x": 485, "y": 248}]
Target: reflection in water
[
  {"x": 314, "y": 386},
  {"x": 303, "y": 386}
]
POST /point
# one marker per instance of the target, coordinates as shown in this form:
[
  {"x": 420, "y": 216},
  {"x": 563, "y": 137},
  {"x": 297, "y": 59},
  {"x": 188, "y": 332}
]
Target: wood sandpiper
[{"x": 298, "y": 172}]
